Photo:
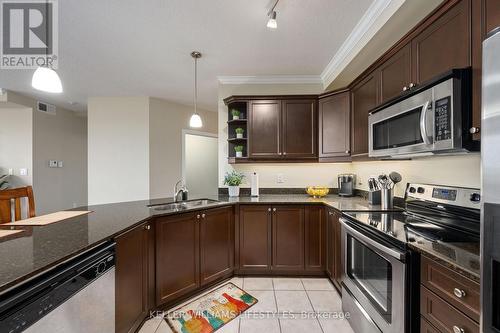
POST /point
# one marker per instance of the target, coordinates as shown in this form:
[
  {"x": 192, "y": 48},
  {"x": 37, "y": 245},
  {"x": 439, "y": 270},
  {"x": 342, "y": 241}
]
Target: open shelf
[
  {"x": 237, "y": 121},
  {"x": 236, "y": 139}
]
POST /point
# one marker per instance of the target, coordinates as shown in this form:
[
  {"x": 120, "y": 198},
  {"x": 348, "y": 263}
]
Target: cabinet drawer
[
  {"x": 425, "y": 327},
  {"x": 443, "y": 316},
  {"x": 454, "y": 288}
]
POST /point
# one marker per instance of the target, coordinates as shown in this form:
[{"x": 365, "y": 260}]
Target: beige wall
[
  {"x": 450, "y": 170},
  {"x": 16, "y": 143},
  {"x": 61, "y": 137},
  {"x": 166, "y": 122},
  {"x": 118, "y": 149}
]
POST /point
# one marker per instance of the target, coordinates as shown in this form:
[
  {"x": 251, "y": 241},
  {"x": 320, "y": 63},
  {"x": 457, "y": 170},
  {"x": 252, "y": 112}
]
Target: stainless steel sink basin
[{"x": 178, "y": 206}]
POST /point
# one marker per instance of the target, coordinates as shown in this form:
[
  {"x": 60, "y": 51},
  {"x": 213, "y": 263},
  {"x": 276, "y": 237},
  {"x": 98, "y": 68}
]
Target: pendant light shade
[
  {"x": 46, "y": 79},
  {"x": 272, "y": 23},
  {"x": 195, "y": 120}
]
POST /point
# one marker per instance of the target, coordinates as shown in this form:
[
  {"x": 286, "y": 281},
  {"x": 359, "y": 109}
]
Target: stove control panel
[{"x": 458, "y": 196}]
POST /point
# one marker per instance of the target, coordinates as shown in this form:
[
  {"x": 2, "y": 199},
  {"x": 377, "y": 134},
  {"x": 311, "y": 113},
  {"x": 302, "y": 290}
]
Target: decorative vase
[
  {"x": 239, "y": 154},
  {"x": 234, "y": 191},
  {"x": 239, "y": 135},
  {"x": 236, "y": 117}
]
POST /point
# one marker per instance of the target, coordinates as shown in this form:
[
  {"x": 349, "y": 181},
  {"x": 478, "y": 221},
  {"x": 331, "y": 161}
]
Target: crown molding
[
  {"x": 271, "y": 79},
  {"x": 372, "y": 20}
]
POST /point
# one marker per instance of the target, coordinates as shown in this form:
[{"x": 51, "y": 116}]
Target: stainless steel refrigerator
[{"x": 490, "y": 164}]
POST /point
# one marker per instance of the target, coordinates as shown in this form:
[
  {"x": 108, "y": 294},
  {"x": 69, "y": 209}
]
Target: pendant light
[
  {"x": 272, "y": 23},
  {"x": 195, "y": 120},
  {"x": 45, "y": 78}
]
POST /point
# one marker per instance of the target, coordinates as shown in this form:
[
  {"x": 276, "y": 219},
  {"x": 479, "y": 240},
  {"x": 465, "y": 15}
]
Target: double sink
[{"x": 184, "y": 205}]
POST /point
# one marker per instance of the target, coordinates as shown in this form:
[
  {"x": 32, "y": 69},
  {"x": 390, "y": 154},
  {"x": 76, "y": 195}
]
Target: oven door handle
[
  {"x": 387, "y": 250},
  {"x": 423, "y": 124}
]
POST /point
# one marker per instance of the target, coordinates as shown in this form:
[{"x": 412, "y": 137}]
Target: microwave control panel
[{"x": 442, "y": 119}]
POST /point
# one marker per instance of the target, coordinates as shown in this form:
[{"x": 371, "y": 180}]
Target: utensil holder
[{"x": 386, "y": 198}]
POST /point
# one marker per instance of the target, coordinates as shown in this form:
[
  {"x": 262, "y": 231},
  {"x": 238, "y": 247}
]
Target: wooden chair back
[{"x": 13, "y": 196}]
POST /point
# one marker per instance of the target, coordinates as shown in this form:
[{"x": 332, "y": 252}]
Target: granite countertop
[{"x": 39, "y": 248}]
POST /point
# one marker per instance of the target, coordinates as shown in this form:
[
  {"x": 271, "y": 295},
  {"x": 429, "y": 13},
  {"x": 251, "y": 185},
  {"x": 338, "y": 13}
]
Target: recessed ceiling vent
[{"x": 46, "y": 108}]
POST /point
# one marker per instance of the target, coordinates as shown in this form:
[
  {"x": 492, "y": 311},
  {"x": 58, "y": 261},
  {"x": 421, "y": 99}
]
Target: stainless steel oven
[
  {"x": 433, "y": 119},
  {"x": 374, "y": 282}
]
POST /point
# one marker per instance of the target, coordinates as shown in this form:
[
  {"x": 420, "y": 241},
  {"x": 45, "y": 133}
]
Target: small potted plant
[
  {"x": 239, "y": 132},
  {"x": 236, "y": 114},
  {"x": 233, "y": 180},
  {"x": 4, "y": 184},
  {"x": 239, "y": 151}
]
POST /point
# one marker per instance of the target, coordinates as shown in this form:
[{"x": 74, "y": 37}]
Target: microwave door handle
[
  {"x": 387, "y": 250},
  {"x": 423, "y": 122}
]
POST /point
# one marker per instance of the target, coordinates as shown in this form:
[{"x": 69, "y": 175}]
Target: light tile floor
[{"x": 286, "y": 305}]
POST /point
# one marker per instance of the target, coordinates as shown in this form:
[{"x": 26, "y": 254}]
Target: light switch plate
[
  {"x": 59, "y": 164},
  {"x": 52, "y": 164},
  {"x": 280, "y": 178},
  {"x": 23, "y": 172}
]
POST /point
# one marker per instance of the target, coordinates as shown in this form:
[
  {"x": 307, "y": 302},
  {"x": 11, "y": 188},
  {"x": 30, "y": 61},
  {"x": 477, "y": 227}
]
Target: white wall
[
  {"x": 16, "y": 143},
  {"x": 200, "y": 165},
  {"x": 166, "y": 122},
  {"x": 449, "y": 170},
  {"x": 118, "y": 149}
]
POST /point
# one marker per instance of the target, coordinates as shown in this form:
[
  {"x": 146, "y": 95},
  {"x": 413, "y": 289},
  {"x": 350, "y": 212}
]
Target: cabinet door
[
  {"x": 330, "y": 238},
  {"x": 491, "y": 15},
  {"x": 132, "y": 276},
  {"x": 334, "y": 126},
  {"x": 395, "y": 74},
  {"x": 444, "y": 45},
  {"x": 177, "y": 257},
  {"x": 315, "y": 228},
  {"x": 216, "y": 244},
  {"x": 288, "y": 238},
  {"x": 299, "y": 129},
  {"x": 337, "y": 249},
  {"x": 364, "y": 98},
  {"x": 255, "y": 238},
  {"x": 264, "y": 129}
]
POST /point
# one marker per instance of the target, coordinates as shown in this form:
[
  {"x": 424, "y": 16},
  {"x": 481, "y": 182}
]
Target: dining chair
[{"x": 12, "y": 198}]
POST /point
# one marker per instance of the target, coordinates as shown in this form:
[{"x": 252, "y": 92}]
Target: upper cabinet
[
  {"x": 364, "y": 98},
  {"x": 443, "y": 45},
  {"x": 265, "y": 129},
  {"x": 491, "y": 15},
  {"x": 395, "y": 74},
  {"x": 283, "y": 128},
  {"x": 299, "y": 126},
  {"x": 334, "y": 126}
]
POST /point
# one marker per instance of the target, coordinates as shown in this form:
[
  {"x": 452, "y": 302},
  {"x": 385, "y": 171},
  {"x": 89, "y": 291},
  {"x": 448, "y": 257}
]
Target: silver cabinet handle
[
  {"x": 459, "y": 292},
  {"x": 284, "y": 153},
  {"x": 457, "y": 329},
  {"x": 147, "y": 227},
  {"x": 274, "y": 209},
  {"x": 405, "y": 88},
  {"x": 280, "y": 153},
  {"x": 203, "y": 216},
  {"x": 347, "y": 151},
  {"x": 412, "y": 85},
  {"x": 330, "y": 213},
  {"x": 474, "y": 130},
  {"x": 269, "y": 209},
  {"x": 198, "y": 216}
]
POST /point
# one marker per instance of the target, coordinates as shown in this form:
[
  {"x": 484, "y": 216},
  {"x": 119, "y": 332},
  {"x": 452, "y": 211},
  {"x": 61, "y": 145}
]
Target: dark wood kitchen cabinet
[
  {"x": 255, "y": 238},
  {"x": 288, "y": 238},
  {"x": 334, "y": 112},
  {"x": 443, "y": 45},
  {"x": 315, "y": 239},
  {"x": 192, "y": 250},
  {"x": 216, "y": 244},
  {"x": 364, "y": 98},
  {"x": 265, "y": 129},
  {"x": 490, "y": 15},
  {"x": 299, "y": 129},
  {"x": 395, "y": 74},
  {"x": 134, "y": 278},
  {"x": 334, "y": 249}
]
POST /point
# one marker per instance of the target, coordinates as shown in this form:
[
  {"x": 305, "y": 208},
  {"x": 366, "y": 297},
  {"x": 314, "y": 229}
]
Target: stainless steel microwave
[{"x": 435, "y": 118}]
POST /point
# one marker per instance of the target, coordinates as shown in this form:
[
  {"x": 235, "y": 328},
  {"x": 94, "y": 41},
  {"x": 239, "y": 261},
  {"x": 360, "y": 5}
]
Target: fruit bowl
[{"x": 317, "y": 191}]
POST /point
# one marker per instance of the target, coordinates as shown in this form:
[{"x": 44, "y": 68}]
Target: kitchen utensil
[
  {"x": 373, "y": 184},
  {"x": 383, "y": 180},
  {"x": 395, "y": 177}
]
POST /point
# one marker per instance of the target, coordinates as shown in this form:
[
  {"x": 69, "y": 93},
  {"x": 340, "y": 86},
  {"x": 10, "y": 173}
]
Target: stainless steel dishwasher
[{"x": 77, "y": 296}]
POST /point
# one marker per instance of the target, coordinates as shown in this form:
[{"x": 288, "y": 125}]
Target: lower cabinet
[
  {"x": 281, "y": 239},
  {"x": 192, "y": 250},
  {"x": 134, "y": 277},
  {"x": 334, "y": 248}
]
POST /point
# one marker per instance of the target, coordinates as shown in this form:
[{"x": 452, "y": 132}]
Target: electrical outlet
[
  {"x": 59, "y": 164},
  {"x": 52, "y": 164},
  {"x": 23, "y": 172},
  {"x": 11, "y": 171},
  {"x": 280, "y": 178}
]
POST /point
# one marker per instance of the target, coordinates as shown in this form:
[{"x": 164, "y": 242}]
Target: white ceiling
[{"x": 130, "y": 47}]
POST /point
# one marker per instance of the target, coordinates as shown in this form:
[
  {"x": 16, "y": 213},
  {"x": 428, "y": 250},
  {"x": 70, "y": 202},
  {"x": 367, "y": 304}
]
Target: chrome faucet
[{"x": 181, "y": 190}]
